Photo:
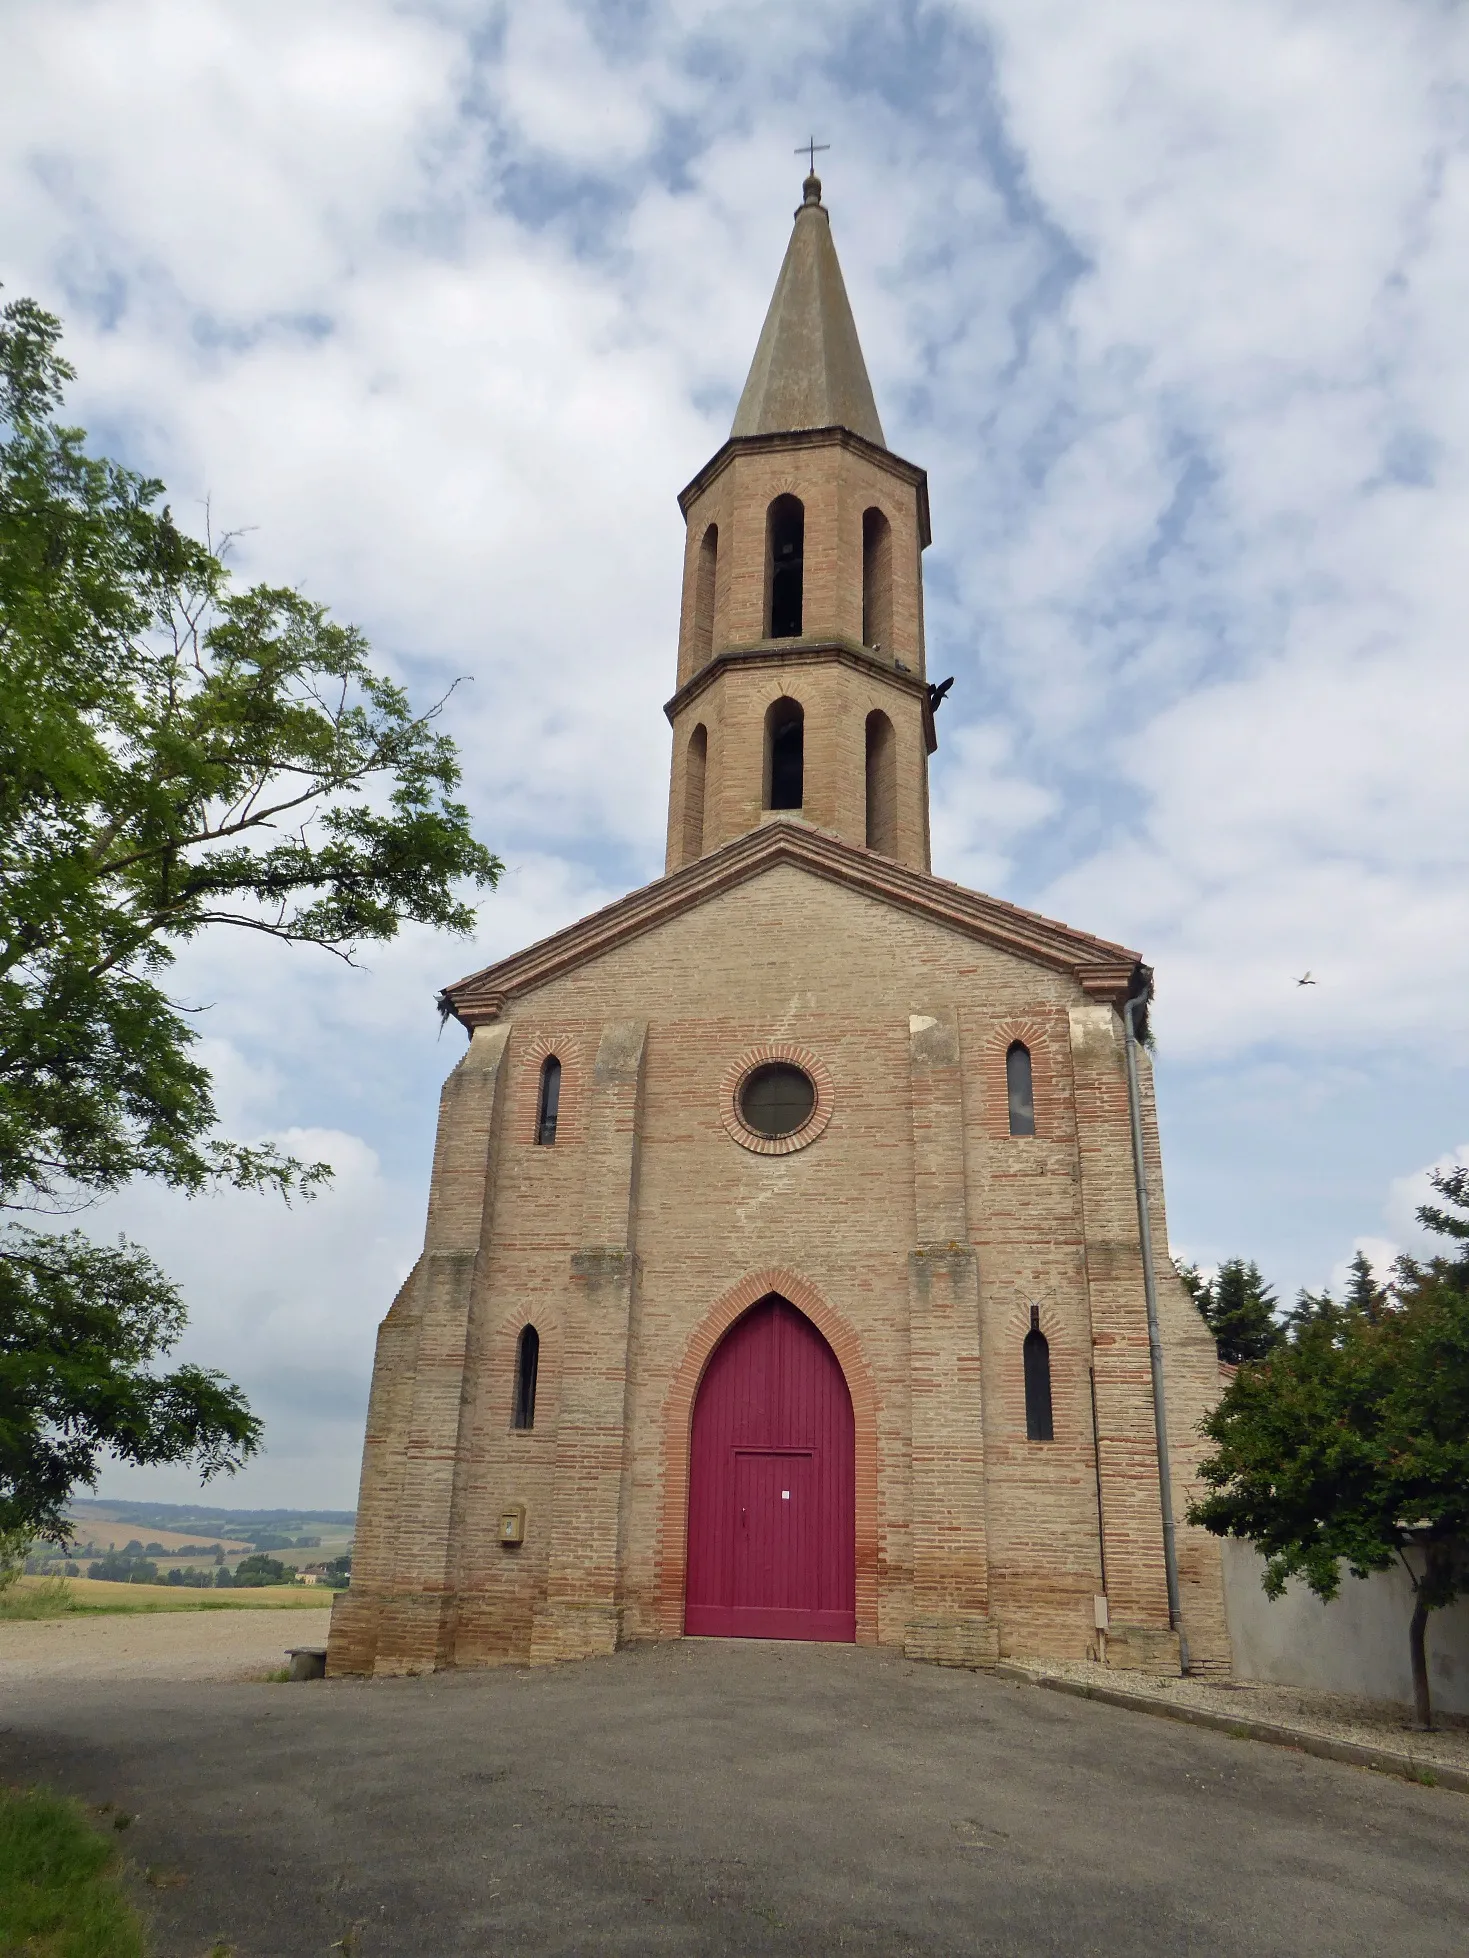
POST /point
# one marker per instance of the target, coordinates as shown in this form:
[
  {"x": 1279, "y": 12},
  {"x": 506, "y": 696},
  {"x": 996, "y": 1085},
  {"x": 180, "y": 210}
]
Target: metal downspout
[{"x": 1130, "y": 1010}]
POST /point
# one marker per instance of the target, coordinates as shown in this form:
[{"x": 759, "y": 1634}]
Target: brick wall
[
  {"x": 915, "y": 1231},
  {"x": 836, "y": 481},
  {"x": 836, "y": 697}
]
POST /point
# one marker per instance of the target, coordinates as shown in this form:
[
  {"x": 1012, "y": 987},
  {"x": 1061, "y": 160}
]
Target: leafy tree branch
[
  {"x": 176, "y": 756},
  {"x": 1348, "y": 1442}
]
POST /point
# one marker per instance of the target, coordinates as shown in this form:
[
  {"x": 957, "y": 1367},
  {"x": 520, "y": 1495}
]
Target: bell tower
[{"x": 802, "y": 693}]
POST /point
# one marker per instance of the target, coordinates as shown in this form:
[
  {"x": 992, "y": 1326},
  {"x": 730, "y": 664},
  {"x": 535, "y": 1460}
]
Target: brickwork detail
[
  {"x": 1040, "y": 1037},
  {"x": 581, "y": 1612},
  {"x": 950, "y": 1620},
  {"x": 731, "y": 1087},
  {"x": 729, "y": 673},
  {"x": 531, "y": 1051}
]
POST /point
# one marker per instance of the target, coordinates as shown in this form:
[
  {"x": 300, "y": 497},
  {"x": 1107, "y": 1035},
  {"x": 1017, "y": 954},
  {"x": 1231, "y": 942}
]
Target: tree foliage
[
  {"x": 260, "y": 1570},
  {"x": 82, "y": 1327},
  {"x": 1238, "y": 1307},
  {"x": 175, "y": 756},
  {"x": 1348, "y": 1443}
]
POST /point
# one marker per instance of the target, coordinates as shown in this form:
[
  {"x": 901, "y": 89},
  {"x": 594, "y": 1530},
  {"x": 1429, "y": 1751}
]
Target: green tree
[
  {"x": 175, "y": 756},
  {"x": 1349, "y": 1443},
  {"x": 15, "y": 1546},
  {"x": 1364, "y": 1294},
  {"x": 120, "y": 1567},
  {"x": 1238, "y": 1307},
  {"x": 260, "y": 1569}
]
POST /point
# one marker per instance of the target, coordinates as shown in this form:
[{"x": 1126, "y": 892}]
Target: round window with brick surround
[{"x": 777, "y": 1099}]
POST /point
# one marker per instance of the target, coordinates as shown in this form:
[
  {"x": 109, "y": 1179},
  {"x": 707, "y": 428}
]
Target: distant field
[
  {"x": 86, "y": 1595},
  {"x": 117, "y": 1536}
]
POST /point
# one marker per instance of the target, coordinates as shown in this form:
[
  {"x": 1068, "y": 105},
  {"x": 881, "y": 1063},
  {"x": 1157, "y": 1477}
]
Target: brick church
[{"x": 782, "y": 1275}]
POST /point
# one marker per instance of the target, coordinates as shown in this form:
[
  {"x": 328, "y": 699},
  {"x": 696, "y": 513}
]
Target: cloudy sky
[{"x": 441, "y": 303}]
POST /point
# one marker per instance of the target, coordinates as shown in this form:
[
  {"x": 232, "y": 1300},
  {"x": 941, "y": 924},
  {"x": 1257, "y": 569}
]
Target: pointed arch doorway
[{"x": 772, "y": 1486}]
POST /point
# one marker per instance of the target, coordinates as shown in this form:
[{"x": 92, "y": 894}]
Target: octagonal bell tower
[{"x": 802, "y": 692}]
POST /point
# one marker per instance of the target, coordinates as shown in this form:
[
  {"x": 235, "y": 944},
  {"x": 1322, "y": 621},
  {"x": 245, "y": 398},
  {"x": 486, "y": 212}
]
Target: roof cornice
[
  {"x": 1104, "y": 971},
  {"x": 806, "y": 652},
  {"x": 813, "y": 438}
]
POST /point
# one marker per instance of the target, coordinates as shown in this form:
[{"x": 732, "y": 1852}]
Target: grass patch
[
  {"x": 59, "y": 1884},
  {"x": 60, "y": 1597},
  {"x": 43, "y": 1597}
]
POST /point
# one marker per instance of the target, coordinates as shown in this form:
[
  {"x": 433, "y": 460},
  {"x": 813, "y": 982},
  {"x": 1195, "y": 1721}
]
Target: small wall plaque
[{"x": 512, "y": 1524}]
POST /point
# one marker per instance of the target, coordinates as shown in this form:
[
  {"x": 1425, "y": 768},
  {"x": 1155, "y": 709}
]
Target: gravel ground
[
  {"x": 1368, "y": 1723},
  {"x": 182, "y": 1645}
]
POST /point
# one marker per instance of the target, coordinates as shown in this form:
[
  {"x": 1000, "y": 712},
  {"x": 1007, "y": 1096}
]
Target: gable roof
[
  {"x": 808, "y": 370},
  {"x": 1105, "y": 971}
]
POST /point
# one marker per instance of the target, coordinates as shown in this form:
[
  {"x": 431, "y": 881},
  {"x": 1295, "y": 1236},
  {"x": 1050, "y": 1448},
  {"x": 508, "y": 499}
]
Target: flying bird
[{"x": 1305, "y": 978}]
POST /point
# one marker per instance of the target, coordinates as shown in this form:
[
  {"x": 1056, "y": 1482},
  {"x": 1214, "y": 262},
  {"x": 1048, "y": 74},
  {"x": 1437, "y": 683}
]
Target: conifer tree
[
  {"x": 1239, "y": 1308},
  {"x": 1364, "y": 1294}
]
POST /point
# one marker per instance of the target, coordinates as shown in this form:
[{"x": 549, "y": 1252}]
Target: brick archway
[{"x": 678, "y": 1414}]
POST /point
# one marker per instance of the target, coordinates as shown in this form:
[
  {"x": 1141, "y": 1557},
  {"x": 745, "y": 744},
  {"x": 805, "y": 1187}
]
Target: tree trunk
[{"x": 1416, "y": 1629}]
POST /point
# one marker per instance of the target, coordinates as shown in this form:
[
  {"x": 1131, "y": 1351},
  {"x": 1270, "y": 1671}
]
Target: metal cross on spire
[{"x": 808, "y": 149}]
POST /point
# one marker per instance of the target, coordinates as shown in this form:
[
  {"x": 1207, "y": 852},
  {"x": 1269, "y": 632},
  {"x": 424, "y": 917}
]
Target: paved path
[
  {"x": 737, "y": 1798},
  {"x": 178, "y": 1645}
]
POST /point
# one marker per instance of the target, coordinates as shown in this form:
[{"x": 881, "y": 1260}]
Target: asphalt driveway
[{"x": 733, "y": 1798}]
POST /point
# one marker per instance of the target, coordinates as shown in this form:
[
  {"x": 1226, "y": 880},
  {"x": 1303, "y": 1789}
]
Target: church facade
[{"x": 782, "y": 1274}]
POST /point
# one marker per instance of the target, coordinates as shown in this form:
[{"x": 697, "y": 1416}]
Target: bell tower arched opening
[
  {"x": 882, "y": 784},
  {"x": 785, "y": 754},
  {"x": 696, "y": 769},
  {"x": 877, "y": 581},
  {"x": 705, "y": 578},
  {"x": 785, "y": 549},
  {"x": 772, "y": 1486}
]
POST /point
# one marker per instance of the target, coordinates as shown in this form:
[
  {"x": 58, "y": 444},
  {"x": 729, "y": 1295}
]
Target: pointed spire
[{"x": 808, "y": 370}]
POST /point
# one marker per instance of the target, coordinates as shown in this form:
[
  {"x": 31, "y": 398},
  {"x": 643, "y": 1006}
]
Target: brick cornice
[
  {"x": 813, "y": 438},
  {"x": 1103, "y": 970},
  {"x": 803, "y": 652}
]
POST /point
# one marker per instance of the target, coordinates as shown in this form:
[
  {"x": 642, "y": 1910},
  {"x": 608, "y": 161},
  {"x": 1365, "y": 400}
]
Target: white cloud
[
  {"x": 1407, "y": 1194},
  {"x": 285, "y": 1301},
  {"x": 1168, "y": 297}
]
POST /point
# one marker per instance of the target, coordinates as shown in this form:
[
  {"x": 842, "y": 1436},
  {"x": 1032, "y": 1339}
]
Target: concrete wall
[{"x": 1356, "y": 1644}]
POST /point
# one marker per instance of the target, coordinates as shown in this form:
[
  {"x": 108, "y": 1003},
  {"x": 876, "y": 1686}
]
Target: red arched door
[{"x": 772, "y": 1486}]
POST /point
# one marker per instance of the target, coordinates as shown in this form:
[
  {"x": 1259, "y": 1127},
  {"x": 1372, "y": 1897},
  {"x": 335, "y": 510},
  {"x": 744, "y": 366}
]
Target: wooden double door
[{"x": 772, "y": 1486}]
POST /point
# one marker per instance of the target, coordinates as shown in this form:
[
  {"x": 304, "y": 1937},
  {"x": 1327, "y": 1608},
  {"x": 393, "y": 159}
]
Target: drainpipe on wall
[{"x": 1138, "y": 1004}]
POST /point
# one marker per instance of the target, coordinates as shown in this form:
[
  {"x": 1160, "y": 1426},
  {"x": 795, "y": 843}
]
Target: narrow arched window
[
  {"x": 785, "y": 549},
  {"x": 704, "y": 588},
  {"x": 1037, "y": 1357},
  {"x": 549, "y": 1105},
  {"x": 785, "y": 764},
  {"x": 1019, "y": 1088},
  {"x": 696, "y": 765},
  {"x": 882, "y": 784},
  {"x": 877, "y": 580},
  {"x": 527, "y": 1360}
]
